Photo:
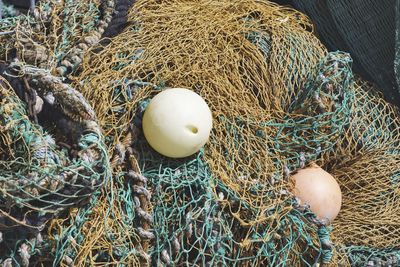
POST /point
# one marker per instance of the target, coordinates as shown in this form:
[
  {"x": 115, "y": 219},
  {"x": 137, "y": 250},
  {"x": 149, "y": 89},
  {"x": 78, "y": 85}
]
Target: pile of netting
[{"x": 279, "y": 101}]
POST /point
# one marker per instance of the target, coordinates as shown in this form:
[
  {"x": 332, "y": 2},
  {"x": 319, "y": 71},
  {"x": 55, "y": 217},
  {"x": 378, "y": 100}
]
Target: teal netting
[{"x": 280, "y": 103}]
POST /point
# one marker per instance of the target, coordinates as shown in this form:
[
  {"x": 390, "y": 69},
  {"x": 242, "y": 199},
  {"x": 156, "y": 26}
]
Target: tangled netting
[
  {"x": 39, "y": 180},
  {"x": 279, "y": 103}
]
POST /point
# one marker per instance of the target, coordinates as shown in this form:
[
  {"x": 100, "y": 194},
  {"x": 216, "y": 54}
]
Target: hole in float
[{"x": 192, "y": 128}]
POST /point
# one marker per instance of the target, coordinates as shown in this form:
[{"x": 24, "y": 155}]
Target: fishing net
[
  {"x": 53, "y": 155},
  {"x": 39, "y": 179},
  {"x": 397, "y": 44},
  {"x": 366, "y": 29},
  {"x": 279, "y": 103}
]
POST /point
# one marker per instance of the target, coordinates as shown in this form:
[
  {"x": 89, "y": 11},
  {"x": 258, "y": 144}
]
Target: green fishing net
[
  {"x": 367, "y": 30},
  {"x": 280, "y": 102}
]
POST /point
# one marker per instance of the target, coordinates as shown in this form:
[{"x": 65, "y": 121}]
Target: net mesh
[
  {"x": 279, "y": 103},
  {"x": 366, "y": 29}
]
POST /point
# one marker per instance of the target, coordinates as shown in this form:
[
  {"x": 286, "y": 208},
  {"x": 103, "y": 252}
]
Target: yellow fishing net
[{"x": 279, "y": 102}]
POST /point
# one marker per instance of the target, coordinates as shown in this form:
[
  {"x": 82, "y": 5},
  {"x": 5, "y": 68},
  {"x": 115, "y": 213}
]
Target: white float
[{"x": 177, "y": 122}]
